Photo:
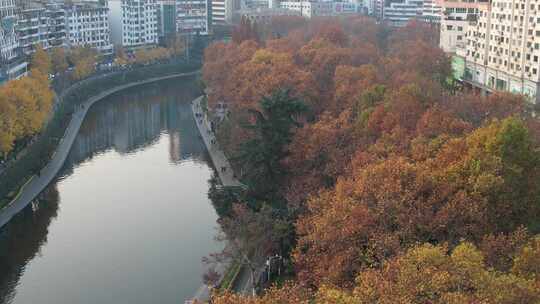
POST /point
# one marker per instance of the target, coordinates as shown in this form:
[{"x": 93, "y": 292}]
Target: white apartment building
[
  {"x": 12, "y": 65},
  {"x": 222, "y": 12},
  {"x": 8, "y": 39},
  {"x": 320, "y": 8},
  {"x": 40, "y": 23},
  {"x": 139, "y": 23},
  {"x": 455, "y": 21},
  {"x": 400, "y": 13},
  {"x": 503, "y": 47},
  {"x": 192, "y": 16},
  {"x": 264, "y": 16},
  {"x": 432, "y": 11},
  {"x": 88, "y": 25}
]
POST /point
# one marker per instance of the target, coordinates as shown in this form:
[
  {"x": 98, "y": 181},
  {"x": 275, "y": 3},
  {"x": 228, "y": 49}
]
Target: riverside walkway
[
  {"x": 38, "y": 183},
  {"x": 226, "y": 176},
  {"x": 221, "y": 163}
]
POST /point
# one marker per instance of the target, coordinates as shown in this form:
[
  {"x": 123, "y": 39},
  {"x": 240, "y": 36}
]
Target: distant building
[
  {"x": 87, "y": 24},
  {"x": 456, "y": 17},
  {"x": 502, "y": 50},
  {"x": 139, "y": 23},
  {"x": 320, "y": 8},
  {"x": 400, "y": 13},
  {"x": 192, "y": 16},
  {"x": 166, "y": 16},
  {"x": 223, "y": 11},
  {"x": 261, "y": 16},
  {"x": 377, "y": 8},
  {"x": 43, "y": 24},
  {"x": 12, "y": 64},
  {"x": 254, "y": 4},
  {"x": 431, "y": 12}
]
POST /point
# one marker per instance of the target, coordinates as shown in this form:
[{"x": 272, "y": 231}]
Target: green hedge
[{"x": 39, "y": 153}]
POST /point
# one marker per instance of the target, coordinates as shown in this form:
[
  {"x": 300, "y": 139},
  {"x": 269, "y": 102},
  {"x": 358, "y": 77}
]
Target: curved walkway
[
  {"x": 36, "y": 184},
  {"x": 227, "y": 177},
  {"x": 221, "y": 163}
]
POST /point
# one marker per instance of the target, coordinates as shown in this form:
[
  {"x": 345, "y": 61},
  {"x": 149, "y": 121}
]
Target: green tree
[{"x": 262, "y": 155}]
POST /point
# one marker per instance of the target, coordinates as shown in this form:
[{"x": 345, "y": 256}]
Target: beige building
[
  {"x": 502, "y": 47},
  {"x": 456, "y": 17}
]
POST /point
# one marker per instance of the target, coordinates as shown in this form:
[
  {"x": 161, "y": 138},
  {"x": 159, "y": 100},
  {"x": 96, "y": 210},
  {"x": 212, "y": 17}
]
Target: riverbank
[
  {"x": 228, "y": 179},
  {"x": 225, "y": 173},
  {"x": 31, "y": 189},
  {"x": 40, "y": 152},
  {"x": 221, "y": 163}
]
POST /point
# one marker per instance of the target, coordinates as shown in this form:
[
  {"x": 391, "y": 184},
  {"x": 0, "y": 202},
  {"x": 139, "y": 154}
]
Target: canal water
[{"x": 128, "y": 218}]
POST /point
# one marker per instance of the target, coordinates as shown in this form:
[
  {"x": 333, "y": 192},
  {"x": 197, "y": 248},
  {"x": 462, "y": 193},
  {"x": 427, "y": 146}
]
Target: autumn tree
[
  {"x": 427, "y": 274},
  {"x": 25, "y": 104},
  {"x": 250, "y": 236},
  {"x": 84, "y": 60},
  {"x": 246, "y": 30},
  {"x": 41, "y": 60},
  {"x": 389, "y": 157},
  {"x": 120, "y": 57},
  {"x": 59, "y": 60},
  {"x": 282, "y": 25},
  {"x": 176, "y": 45}
]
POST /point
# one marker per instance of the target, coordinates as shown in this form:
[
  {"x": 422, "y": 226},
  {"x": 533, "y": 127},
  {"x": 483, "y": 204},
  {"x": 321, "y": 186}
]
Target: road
[{"x": 38, "y": 183}]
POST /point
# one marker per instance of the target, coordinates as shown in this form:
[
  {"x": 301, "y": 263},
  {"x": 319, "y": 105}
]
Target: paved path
[
  {"x": 36, "y": 184},
  {"x": 218, "y": 157},
  {"x": 226, "y": 176}
]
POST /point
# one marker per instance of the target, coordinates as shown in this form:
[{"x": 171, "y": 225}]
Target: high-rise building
[
  {"x": 264, "y": 16},
  {"x": 311, "y": 9},
  {"x": 87, "y": 24},
  {"x": 166, "y": 16},
  {"x": 139, "y": 23},
  {"x": 41, "y": 23},
  {"x": 400, "y": 13},
  {"x": 12, "y": 65},
  {"x": 456, "y": 17},
  {"x": 192, "y": 16},
  {"x": 502, "y": 50},
  {"x": 431, "y": 12},
  {"x": 224, "y": 11}
]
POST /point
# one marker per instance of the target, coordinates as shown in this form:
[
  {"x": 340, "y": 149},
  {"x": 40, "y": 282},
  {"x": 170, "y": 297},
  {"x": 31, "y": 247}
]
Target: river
[{"x": 128, "y": 218}]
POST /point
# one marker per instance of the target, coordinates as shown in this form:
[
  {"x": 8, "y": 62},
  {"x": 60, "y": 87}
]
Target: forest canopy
[{"x": 403, "y": 186}]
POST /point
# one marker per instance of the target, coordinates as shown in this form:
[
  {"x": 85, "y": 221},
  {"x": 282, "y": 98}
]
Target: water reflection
[
  {"x": 91, "y": 238},
  {"x": 21, "y": 244},
  {"x": 132, "y": 122}
]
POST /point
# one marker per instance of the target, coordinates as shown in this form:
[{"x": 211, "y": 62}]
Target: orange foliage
[{"x": 389, "y": 157}]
